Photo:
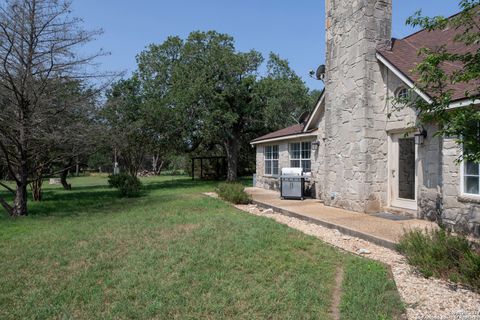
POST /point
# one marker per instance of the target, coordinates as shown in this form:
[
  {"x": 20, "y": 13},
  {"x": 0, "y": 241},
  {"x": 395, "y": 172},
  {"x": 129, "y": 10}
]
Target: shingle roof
[
  {"x": 404, "y": 55},
  {"x": 285, "y": 132}
]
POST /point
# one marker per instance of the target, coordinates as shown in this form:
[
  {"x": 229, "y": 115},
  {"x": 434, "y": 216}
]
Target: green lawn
[{"x": 173, "y": 253}]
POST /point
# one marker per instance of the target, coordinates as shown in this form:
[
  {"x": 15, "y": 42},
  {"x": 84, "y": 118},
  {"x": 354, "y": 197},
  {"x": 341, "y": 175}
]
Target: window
[
  {"x": 402, "y": 94},
  {"x": 271, "y": 160},
  {"x": 471, "y": 177},
  {"x": 471, "y": 169},
  {"x": 300, "y": 155}
]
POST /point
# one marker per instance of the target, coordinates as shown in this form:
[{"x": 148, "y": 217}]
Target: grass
[
  {"x": 173, "y": 254},
  {"x": 441, "y": 254},
  {"x": 368, "y": 296}
]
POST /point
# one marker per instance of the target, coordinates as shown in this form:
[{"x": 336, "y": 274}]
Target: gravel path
[{"x": 424, "y": 298}]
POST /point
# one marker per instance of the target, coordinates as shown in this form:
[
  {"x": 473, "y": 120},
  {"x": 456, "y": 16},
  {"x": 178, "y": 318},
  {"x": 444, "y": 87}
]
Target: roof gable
[
  {"x": 305, "y": 128},
  {"x": 403, "y": 55}
]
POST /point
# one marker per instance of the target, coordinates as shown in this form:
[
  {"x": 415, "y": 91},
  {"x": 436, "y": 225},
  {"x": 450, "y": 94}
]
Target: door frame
[{"x": 393, "y": 150}]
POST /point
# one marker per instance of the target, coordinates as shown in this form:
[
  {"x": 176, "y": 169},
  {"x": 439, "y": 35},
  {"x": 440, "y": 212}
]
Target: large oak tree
[{"x": 218, "y": 94}]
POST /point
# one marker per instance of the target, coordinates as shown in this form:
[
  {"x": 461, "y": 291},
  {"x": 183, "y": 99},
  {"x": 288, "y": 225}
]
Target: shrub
[
  {"x": 127, "y": 185},
  {"x": 441, "y": 254},
  {"x": 233, "y": 192}
]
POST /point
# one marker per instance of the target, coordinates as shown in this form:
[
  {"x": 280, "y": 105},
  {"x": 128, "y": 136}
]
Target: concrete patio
[{"x": 378, "y": 230}]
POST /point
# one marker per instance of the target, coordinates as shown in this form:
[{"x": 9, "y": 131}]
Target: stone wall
[
  {"x": 354, "y": 175},
  {"x": 459, "y": 212},
  {"x": 272, "y": 182}
]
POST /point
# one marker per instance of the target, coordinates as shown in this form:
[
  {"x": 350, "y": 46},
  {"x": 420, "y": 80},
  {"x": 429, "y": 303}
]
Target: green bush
[
  {"x": 441, "y": 254},
  {"x": 127, "y": 185},
  {"x": 233, "y": 192}
]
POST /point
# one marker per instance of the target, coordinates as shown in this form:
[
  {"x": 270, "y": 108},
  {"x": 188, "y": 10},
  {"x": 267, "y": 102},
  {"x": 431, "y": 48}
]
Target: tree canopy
[
  {"x": 462, "y": 123},
  {"x": 217, "y": 94}
]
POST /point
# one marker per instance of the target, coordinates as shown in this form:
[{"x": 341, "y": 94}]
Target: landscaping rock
[
  {"x": 363, "y": 251},
  {"x": 268, "y": 211}
]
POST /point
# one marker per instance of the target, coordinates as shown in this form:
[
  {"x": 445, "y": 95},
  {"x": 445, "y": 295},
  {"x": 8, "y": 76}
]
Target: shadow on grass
[
  {"x": 178, "y": 184},
  {"x": 100, "y": 199}
]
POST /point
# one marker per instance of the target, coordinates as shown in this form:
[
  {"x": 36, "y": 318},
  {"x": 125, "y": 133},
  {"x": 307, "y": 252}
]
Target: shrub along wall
[{"x": 441, "y": 254}]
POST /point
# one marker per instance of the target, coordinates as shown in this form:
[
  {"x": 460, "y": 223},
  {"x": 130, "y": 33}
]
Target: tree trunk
[
  {"x": 37, "y": 189},
  {"x": 63, "y": 180},
  {"x": 158, "y": 168},
  {"x": 155, "y": 159},
  {"x": 20, "y": 202},
  {"x": 232, "y": 159}
]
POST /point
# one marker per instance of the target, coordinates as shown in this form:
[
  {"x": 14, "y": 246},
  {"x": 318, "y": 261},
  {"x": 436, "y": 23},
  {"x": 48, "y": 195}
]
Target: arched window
[{"x": 402, "y": 93}]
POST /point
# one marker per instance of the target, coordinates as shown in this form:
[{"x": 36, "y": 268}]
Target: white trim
[
  {"x": 462, "y": 183},
  {"x": 404, "y": 78},
  {"x": 464, "y": 103},
  {"x": 271, "y": 161},
  {"x": 301, "y": 154},
  {"x": 314, "y": 111},
  {"x": 295, "y": 136},
  {"x": 457, "y": 104},
  {"x": 393, "y": 152}
]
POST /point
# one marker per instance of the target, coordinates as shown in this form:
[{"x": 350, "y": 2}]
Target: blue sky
[{"x": 293, "y": 29}]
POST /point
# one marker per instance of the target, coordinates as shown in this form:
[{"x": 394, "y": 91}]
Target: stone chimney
[{"x": 355, "y": 166}]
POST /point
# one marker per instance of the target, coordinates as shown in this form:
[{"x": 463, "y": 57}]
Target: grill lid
[{"x": 292, "y": 171}]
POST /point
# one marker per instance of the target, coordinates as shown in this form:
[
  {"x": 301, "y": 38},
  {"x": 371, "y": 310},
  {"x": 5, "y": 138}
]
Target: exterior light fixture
[
  {"x": 315, "y": 145},
  {"x": 420, "y": 136}
]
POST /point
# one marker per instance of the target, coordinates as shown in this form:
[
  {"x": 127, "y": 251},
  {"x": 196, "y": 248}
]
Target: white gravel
[{"x": 424, "y": 298}]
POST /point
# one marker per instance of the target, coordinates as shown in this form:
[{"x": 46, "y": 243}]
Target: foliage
[
  {"x": 461, "y": 123},
  {"x": 128, "y": 185},
  {"x": 441, "y": 254},
  {"x": 282, "y": 95},
  {"x": 171, "y": 254},
  {"x": 125, "y": 119},
  {"x": 44, "y": 91},
  {"x": 233, "y": 192},
  {"x": 139, "y": 125},
  {"x": 216, "y": 94}
]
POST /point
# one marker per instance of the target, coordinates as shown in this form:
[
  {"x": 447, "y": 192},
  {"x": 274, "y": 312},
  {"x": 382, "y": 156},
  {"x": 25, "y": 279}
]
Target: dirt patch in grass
[
  {"x": 337, "y": 294},
  {"x": 176, "y": 231}
]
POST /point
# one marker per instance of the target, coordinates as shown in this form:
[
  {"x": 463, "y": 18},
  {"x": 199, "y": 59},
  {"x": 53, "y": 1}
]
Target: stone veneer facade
[
  {"x": 354, "y": 175},
  {"x": 350, "y": 167}
]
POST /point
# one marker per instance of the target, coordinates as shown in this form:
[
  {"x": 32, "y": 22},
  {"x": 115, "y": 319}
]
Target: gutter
[{"x": 290, "y": 137}]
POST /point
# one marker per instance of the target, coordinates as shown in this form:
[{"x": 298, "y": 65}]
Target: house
[{"x": 361, "y": 159}]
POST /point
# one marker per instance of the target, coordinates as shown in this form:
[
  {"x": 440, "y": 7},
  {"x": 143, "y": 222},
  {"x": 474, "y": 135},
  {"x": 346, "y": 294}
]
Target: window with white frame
[
  {"x": 471, "y": 169},
  {"x": 271, "y": 160},
  {"x": 471, "y": 177},
  {"x": 300, "y": 155}
]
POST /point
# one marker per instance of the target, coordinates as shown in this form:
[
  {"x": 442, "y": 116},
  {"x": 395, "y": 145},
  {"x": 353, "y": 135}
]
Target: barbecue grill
[{"x": 292, "y": 183}]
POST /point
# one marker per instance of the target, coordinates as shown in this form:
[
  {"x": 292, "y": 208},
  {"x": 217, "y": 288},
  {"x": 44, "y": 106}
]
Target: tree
[
  {"x": 282, "y": 95},
  {"x": 138, "y": 125},
  {"x": 216, "y": 94},
  {"x": 38, "y": 42},
  {"x": 435, "y": 79},
  {"x": 213, "y": 83},
  {"x": 125, "y": 116}
]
